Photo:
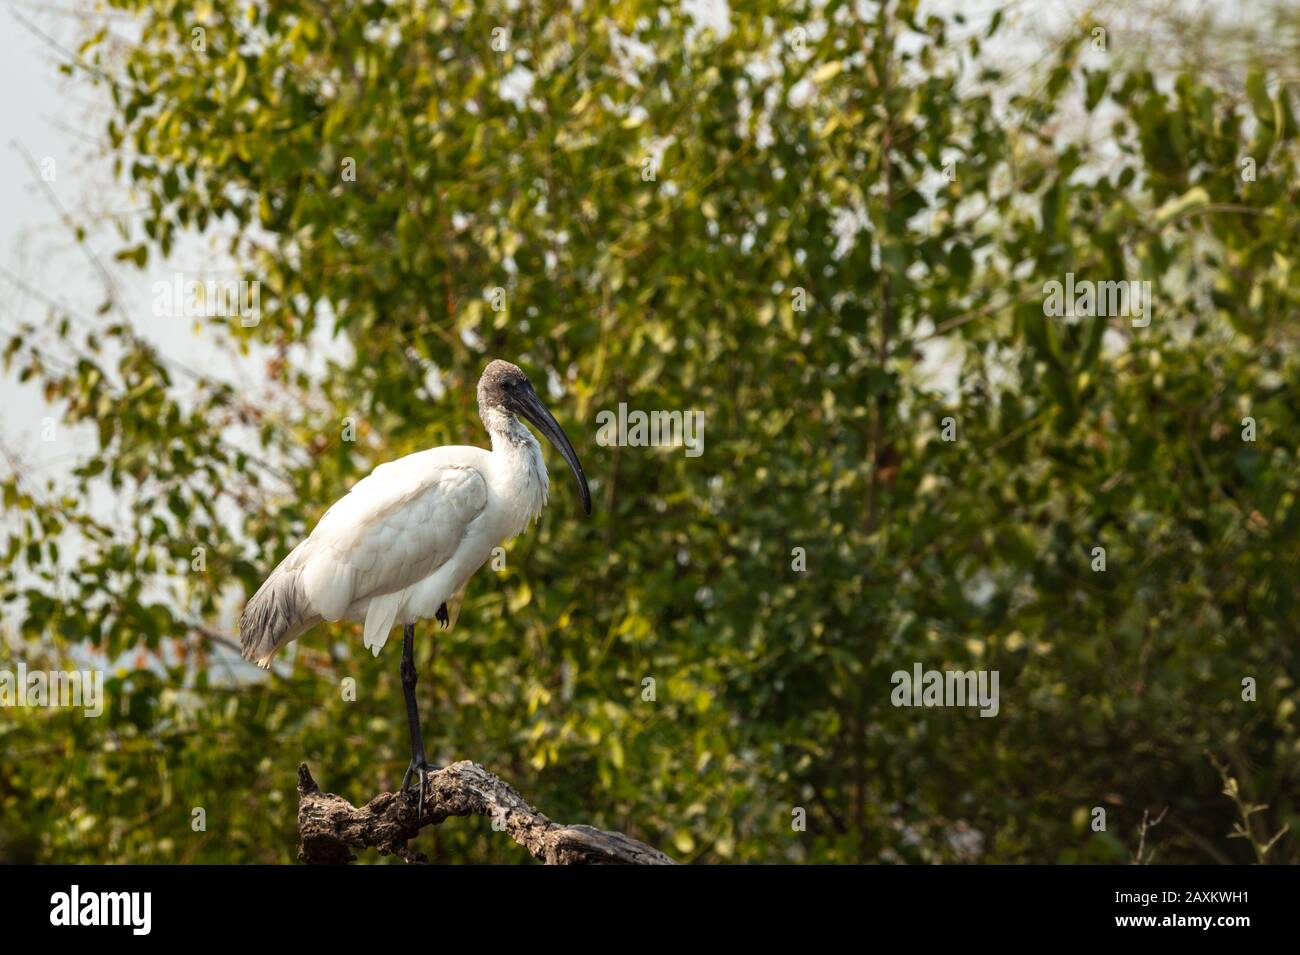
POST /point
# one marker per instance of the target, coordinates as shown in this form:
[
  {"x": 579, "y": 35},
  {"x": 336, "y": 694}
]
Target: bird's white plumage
[
  {"x": 394, "y": 528},
  {"x": 408, "y": 536},
  {"x": 405, "y": 539}
]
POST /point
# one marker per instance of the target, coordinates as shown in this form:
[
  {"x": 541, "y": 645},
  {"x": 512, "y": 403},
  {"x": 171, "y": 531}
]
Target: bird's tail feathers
[{"x": 273, "y": 617}]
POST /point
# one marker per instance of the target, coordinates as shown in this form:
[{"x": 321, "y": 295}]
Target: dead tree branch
[{"x": 329, "y": 827}]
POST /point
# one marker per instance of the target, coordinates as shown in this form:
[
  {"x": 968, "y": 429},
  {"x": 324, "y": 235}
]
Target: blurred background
[{"x": 827, "y": 228}]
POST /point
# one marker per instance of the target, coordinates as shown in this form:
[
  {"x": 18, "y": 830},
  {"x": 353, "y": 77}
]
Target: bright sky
[{"x": 53, "y": 123}]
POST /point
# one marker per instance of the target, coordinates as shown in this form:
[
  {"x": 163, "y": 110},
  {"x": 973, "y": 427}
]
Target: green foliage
[{"x": 822, "y": 432}]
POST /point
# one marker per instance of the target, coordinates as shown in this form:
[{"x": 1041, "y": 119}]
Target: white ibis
[{"x": 407, "y": 538}]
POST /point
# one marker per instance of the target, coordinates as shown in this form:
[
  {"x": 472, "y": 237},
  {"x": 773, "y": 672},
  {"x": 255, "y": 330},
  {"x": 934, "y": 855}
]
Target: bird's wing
[{"x": 393, "y": 528}]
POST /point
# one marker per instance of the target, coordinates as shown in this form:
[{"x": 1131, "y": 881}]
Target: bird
[{"x": 406, "y": 539}]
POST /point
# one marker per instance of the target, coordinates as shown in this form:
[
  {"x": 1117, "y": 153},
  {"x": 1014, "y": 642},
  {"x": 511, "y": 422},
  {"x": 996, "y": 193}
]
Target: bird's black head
[{"x": 504, "y": 387}]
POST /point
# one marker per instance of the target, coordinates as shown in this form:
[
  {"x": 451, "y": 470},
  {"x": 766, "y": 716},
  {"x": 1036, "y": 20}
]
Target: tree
[{"x": 784, "y": 228}]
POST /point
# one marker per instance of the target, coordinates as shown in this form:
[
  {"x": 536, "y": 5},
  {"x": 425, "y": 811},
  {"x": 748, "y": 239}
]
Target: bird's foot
[
  {"x": 421, "y": 770},
  {"x": 442, "y": 616}
]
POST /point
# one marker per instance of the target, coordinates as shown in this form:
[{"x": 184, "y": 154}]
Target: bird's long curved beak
[{"x": 536, "y": 413}]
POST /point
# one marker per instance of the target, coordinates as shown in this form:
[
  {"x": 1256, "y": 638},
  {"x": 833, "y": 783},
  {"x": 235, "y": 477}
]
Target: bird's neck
[{"x": 522, "y": 464}]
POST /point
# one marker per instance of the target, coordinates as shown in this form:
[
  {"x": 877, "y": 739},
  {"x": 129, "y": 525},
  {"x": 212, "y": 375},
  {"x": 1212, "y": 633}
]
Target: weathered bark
[{"x": 329, "y": 827}]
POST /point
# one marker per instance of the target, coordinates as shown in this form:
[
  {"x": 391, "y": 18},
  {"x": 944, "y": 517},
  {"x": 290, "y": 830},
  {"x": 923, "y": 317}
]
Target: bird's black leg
[
  {"x": 442, "y": 616},
  {"x": 419, "y": 764}
]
